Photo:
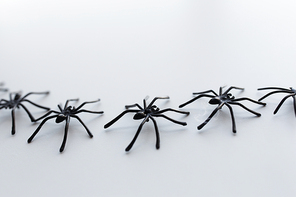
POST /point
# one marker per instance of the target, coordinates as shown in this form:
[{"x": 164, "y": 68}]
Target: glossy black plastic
[
  {"x": 221, "y": 99},
  {"x": 15, "y": 101},
  {"x": 147, "y": 112},
  {"x": 64, "y": 115},
  {"x": 291, "y": 93}
]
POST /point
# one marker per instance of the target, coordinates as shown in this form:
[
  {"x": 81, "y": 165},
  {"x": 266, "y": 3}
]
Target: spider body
[
  {"x": 221, "y": 99},
  {"x": 291, "y": 93},
  {"x": 146, "y": 113},
  {"x": 16, "y": 101},
  {"x": 64, "y": 115}
]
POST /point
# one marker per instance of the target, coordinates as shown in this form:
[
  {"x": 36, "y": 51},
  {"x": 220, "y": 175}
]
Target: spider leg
[
  {"x": 134, "y": 105},
  {"x": 93, "y": 112},
  {"x": 118, "y": 117},
  {"x": 168, "y": 118},
  {"x": 241, "y": 105},
  {"x": 40, "y": 106},
  {"x": 282, "y": 101},
  {"x": 67, "y": 102},
  {"x": 211, "y": 116},
  {"x": 87, "y": 102},
  {"x": 169, "y": 109},
  {"x": 232, "y": 87},
  {"x": 274, "y": 92},
  {"x": 212, "y": 91},
  {"x": 137, "y": 134},
  {"x": 257, "y": 102},
  {"x": 28, "y": 112},
  {"x": 87, "y": 130},
  {"x": 34, "y": 93},
  {"x": 65, "y": 134},
  {"x": 294, "y": 104},
  {"x": 13, "y": 122},
  {"x": 157, "y": 145},
  {"x": 49, "y": 112},
  {"x": 195, "y": 98},
  {"x": 166, "y": 97},
  {"x": 232, "y": 118},
  {"x": 273, "y": 88},
  {"x": 39, "y": 127}
]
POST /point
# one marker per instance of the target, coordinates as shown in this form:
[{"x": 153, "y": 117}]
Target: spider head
[
  {"x": 60, "y": 118},
  {"x": 215, "y": 100}
]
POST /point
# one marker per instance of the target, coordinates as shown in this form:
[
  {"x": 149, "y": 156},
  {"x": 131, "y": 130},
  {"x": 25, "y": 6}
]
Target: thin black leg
[
  {"x": 208, "y": 91},
  {"x": 241, "y": 105},
  {"x": 39, "y": 127},
  {"x": 13, "y": 122},
  {"x": 118, "y": 117},
  {"x": 169, "y": 109},
  {"x": 87, "y": 130},
  {"x": 87, "y": 102},
  {"x": 248, "y": 99},
  {"x": 211, "y": 116},
  {"x": 93, "y": 112},
  {"x": 157, "y": 145},
  {"x": 152, "y": 102},
  {"x": 34, "y": 93},
  {"x": 232, "y": 118},
  {"x": 40, "y": 106},
  {"x": 168, "y": 118},
  {"x": 28, "y": 112},
  {"x": 232, "y": 87},
  {"x": 65, "y": 134},
  {"x": 281, "y": 103},
  {"x": 195, "y": 98},
  {"x": 134, "y": 105},
  {"x": 273, "y": 88},
  {"x": 274, "y": 92},
  {"x": 137, "y": 134},
  {"x": 294, "y": 104},
  {"x": 45, "y": 115},
  {"x": 67, "y": 102}
]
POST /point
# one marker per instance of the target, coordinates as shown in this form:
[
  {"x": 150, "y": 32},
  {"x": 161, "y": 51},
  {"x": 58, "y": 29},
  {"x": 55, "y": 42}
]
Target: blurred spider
[
  {"x": 3, "y": 89},
  {"x": 64, "y": 115},
  {"x": 291, "y": 93},
  {"x": 146, "y": 113},
  {"x": 224, "y": 98},
  {"x": 15, "y": 101}
]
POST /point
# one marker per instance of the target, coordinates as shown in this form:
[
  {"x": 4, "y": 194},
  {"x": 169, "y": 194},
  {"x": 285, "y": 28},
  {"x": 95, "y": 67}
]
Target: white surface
[{"x": 121, "y": 51}]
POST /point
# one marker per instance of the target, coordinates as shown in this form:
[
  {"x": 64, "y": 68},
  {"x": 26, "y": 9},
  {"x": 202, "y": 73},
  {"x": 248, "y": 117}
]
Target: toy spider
[
  {"x": 146, "y": 113},
  {"x": 224, "y": 98},
  {"x": 64, "y": 115},
  {"x": 291, "y": 93},
  {"x": 15, "y": 101}
]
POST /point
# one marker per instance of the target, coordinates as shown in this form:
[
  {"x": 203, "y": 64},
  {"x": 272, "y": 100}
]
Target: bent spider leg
[
  {"x": 241, "y": 105},
  {"x": 166, "y": 97},
  {"x": 39, "y": 127},
  {"x": 93, "y": 112},
  {"x": 65, "y": 134},
  {"x": 48, "y": 113},
  {"x": 232, "y": 118},
  {"x": 134, "y": 105},
  {"x": 211, "y": 116},
  {"x": 157, "y": 145},
  {"x": 274, "y": 92},
  {"x": 195, "y": 98},
  {"x": 40, "y": 106},
  {"x": 282, "y": 101},
  {"x": 34, "y": 93},
  {"x": 66, "y": 104},
  {"x": 137, "y": 134},
  {"x": 232, "y": 87},
  {"x": 87, "y": 130},
  {"x": 13, "y": 122},
  {"x": 28, "y": 112},
  {"x": 294, "y": 102},
  {"x": 118, "y": 117},
  {"x": 168, "y": 118},
  {"x": 272, "y": 88},
  {"x": 169, "y": 109},
  {"x": 212, "y": 91},
  {"x": 87, "y": 102},
  {"x": 244, "y": 98}
]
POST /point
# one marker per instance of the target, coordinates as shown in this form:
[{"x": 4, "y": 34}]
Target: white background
[{"x": 121, "y": 51}]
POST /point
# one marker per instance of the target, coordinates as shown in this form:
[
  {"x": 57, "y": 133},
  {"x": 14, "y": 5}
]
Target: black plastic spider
[
  {"x": 64, "y": 115},
  {"x": 15, "y": 101},
  {"x": 146, "y": 113},
  {"x": 291, "y": 93},
  {"x": 224, "y": 98}
]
